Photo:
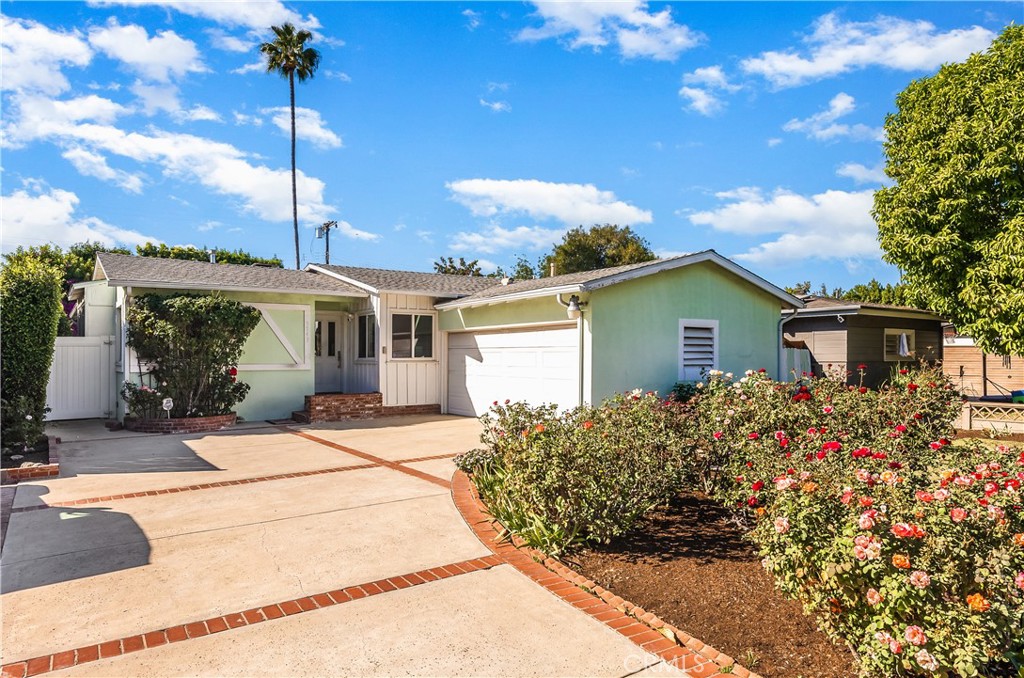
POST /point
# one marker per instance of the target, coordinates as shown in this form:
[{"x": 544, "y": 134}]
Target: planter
[{"x": 182, "y": 424}]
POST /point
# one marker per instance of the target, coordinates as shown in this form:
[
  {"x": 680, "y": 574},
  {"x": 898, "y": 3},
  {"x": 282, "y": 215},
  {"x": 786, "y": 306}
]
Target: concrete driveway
[{"x": 245, "y": 543}]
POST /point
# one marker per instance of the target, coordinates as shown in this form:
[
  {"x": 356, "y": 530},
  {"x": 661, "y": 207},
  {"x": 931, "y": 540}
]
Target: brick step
[{"x": 301, "y": 416}]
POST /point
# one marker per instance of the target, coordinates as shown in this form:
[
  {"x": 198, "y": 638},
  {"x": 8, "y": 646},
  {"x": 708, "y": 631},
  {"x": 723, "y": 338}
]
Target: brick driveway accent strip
[
  {"x": 198, "y": 629},
  {"x": 393, "y": 465},
  {"x": 645, "y": 629}
]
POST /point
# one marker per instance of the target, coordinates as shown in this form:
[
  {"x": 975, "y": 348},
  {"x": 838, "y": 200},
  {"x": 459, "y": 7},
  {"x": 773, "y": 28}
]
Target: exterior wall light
[{"x": 573, "y": 310}]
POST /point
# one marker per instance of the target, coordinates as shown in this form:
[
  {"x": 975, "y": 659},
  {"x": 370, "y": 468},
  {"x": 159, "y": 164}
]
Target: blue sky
[{"x": 482, "y": 130}]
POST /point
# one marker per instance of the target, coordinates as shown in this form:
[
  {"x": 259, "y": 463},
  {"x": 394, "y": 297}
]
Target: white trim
[
  {"x": 510, "y": 326},
  {"x": 680, "y": 355},
  {"x": 148, "y": 284},
  {"x": 345, "y": 279},
  {"x": 412, "y": 340},
  {"x": 639, "y": 272},
  {"x": 297, "y": 362},
  {"x": 366, "y": 312}
]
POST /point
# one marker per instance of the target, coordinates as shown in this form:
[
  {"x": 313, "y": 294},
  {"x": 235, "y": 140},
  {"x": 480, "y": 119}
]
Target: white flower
[
  {"x": 728, "y": 375},
  {"x": 700, "y": 384},
  {"x": 28, "y": 417},
  {"x": 926, "y": 660},
  {"x": 749, "y": 373}
]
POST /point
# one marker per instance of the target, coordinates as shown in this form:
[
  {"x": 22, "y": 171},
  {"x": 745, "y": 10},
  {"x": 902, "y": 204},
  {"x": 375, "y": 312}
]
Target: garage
[{"x": 538, "y": 366}]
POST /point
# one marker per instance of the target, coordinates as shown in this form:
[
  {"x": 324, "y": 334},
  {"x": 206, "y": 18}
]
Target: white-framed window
[
  {"x": 698, "y": 348},
  {"x": 366, "y": 340},
  {"x": 412, "y": 336},
  {"x": 899, "y": 344}
]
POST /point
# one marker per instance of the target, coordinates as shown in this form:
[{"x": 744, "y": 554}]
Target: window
[
  {"x": 412, "y": 336},
  {"x": 367, "y": 343},
  {"x": 698, "y": 348},
  {"x": 899, "y": 344}
]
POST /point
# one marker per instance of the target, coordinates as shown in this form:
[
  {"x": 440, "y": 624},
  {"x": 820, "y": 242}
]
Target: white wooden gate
[{"x": 81, "y": 379}]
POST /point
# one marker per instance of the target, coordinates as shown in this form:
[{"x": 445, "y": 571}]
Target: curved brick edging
[
  {"x": 182, "y": 424},
  {"x": 644, "y": 628}
]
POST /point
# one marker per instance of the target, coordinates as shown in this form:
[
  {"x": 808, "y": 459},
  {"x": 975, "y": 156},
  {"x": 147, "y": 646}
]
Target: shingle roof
[
  {"x": 813, "y": 302},
  {"x": 434, "y": 284},
  {"x": 201, "y": 275}
]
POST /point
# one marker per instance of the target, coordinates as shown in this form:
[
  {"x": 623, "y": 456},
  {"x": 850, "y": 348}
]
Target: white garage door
[{"x": 538, "y": 366}]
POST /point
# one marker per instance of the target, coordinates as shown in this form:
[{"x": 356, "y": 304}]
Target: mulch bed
[
  {"x": 38, "y": 454},
  {"x": 692, "y": 567}
]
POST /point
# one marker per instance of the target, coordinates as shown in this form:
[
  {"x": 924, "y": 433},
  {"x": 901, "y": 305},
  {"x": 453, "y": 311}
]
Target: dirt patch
[
  {"x": 37, "y": 454},
  {"x": 692, "y": 567}
]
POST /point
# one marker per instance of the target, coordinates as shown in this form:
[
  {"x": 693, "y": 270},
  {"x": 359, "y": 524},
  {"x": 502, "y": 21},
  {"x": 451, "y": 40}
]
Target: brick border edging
[
  {"x": 143, "y": 641},
  {"x": 644, "y": 628},
  {"x": 182, "y": 424},
  {"x": 12, "y": 476}
]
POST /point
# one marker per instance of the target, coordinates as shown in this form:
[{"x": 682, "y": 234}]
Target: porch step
[{"x": 301, "y": 416}]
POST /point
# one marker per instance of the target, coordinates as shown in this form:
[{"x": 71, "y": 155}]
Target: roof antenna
[
  {"x": 552, "y": 269},
  {"x": 213, "y": 256}
]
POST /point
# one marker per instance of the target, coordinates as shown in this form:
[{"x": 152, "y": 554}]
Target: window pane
[
  {"x": 332, "y": 331},
  {"x": 401, "y": 336},
  {"x": 318, "y": 340},
  {"x": 362, "y": 337},
  {"x": 424, "y": 336},
  {"x": 371, "y": 339}
]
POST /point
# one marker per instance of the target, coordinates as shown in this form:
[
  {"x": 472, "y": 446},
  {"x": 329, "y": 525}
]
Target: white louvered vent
[{"x": 698, "y": 348}]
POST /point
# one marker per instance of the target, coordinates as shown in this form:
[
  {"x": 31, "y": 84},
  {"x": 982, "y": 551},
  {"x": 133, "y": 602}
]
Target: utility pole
[{"x": 325, "y": 232}]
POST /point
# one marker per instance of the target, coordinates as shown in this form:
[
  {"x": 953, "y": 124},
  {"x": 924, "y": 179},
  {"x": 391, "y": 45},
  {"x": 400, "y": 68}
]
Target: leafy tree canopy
[
  {"x": 954, "y": 219},
  {"x": 202, "y": 254},
  {"x": 523, "y": 270},
  {"x": 598, "y": 247},
  {"x": 461, "y": 267},
  {"x": 872, "y": 292}
]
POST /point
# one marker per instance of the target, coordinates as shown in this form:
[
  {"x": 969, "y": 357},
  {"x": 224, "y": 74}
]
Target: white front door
[
  {"x": 538, "y": 366},
  {"x": 328, "y": 348}
]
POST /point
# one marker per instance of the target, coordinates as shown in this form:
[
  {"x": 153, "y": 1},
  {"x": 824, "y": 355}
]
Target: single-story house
[
  {"x": 978, "y": 374},
  {"x": 842, "y": 335},
  {"x": 425, "y": 342}
]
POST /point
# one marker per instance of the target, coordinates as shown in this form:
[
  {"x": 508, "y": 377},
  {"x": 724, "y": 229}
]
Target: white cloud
[
  {"x": 338, "y": 75},
  {"x": 208, "y": 226},
  {"x": 836, "y": 46},
  {"x": 497, "y": 87},
  {"x": 700, "y": 100},
  {"x": 472, "y": 19},
  {"x": 218, "y": 166},
  {"x": 637, "y": 32},
  {"x": 258, "y": 15},
  {"x": 576, "y": 204},
  {"x": 425, "y": 235},
  {"x": 95, "y": 165},
  {"x": 822, "y": 126},
  {"x": 700, "y": 88},
  {"x": 350, "y": 231},
  {"x": 260, "y": 66},
  {"x": 773, "y": 142},
  {"x": 32, "y": 55},
  {"x": 30, "y": 117},
  {"x": 308, "y": 125},
  {"x": 496, "y": 239},
  {"x": 862, "y": 174},
  {"x": 486, "y": 265},
  {"x": 244, "y": 119},
  {"x": 158, "y": 58},
  {"x": 496, "y": 106},
  {"x": 156, "y": 98},
  {"x": 833, "y": 225},
  {"x": 199, "y": 112},
  {"x": 229, "y": 43},
  {"x": 37, "y": 217}
]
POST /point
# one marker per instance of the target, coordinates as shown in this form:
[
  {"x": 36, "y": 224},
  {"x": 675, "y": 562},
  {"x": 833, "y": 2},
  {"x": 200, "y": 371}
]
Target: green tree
[
  {"x": 289, "y": 56},
  {"x": 599, "y": 247},
  {"x": 189, "y": 253},
  {"x": 953, "y": 220},
  {"x": 875, "y": 292},
  {"x": 461, "y": 267}
]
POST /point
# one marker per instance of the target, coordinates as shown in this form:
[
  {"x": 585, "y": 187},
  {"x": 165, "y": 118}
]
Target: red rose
[
  {"x": 758, "y": 486},
  {"x": 233, "y": 371},
  {"x": 911, "y": 387},
  {"x": 863, "y": 389}
]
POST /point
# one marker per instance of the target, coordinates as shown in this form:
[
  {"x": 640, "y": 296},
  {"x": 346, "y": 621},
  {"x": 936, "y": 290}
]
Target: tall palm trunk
[{"x": 295, "y": 194}]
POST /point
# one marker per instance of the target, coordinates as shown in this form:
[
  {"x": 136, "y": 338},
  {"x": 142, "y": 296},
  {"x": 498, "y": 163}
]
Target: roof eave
[
  {"x": 470, "y": 302},
  {"x": 159, "y": 285},
  {"x": 344, "y": 278}
]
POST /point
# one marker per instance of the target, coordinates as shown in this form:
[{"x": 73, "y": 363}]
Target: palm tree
[{"x": 289, "y": 56}]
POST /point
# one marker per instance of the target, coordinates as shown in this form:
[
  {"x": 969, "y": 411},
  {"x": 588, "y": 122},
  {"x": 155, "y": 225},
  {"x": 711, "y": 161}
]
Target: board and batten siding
[
  {"x": 362, "y": 375},
  {"x": 978, "y": 374},
  {"x": 408, "y": 381}
]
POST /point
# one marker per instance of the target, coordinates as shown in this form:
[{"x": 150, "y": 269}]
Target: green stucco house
[{"x": 341, "y": 341}]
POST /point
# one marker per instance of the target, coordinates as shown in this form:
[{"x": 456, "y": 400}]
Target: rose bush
[
  {"x": 584, "y": 476},
  {"x": 906, "y": 547}
]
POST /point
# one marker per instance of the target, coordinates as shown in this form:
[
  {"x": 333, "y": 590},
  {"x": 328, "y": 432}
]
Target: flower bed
[{"x": 181, "y": 424}]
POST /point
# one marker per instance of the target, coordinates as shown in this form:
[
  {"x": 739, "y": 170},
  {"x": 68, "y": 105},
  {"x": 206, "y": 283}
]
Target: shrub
[
  {"x": 195, "y": 342},
  {"x": 29, "y": 310},
  {"x": 584, "y": 476},
  {"x": 906, "y": 547}
]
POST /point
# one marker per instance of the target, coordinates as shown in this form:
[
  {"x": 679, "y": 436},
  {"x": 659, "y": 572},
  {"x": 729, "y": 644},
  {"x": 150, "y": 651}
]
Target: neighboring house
[
  {"x": 424, "y": 342},
  {"x": 978, "y": 374},
  {"x": 842, "y": 335}
]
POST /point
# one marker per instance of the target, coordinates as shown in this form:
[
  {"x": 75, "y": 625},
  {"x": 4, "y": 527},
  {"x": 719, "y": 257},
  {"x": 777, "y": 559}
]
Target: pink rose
[
  {"x": 958, "y": 514},
  {"x": 867, "y": 519},
  {"x": 782, "y": 524},
  {"x": 874, "y": 597},
  {"x": 1019, "y": 580},
  {"x": 926, "y": 660},
  {"x": 920, "y": 579},
  {"x": 915, "y": 635},
  {"x": 941, "y": 494}
]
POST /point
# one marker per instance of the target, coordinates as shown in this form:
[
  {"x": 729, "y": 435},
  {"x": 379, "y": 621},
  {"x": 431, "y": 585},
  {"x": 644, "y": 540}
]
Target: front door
[{"x": 327, "y": 347}]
